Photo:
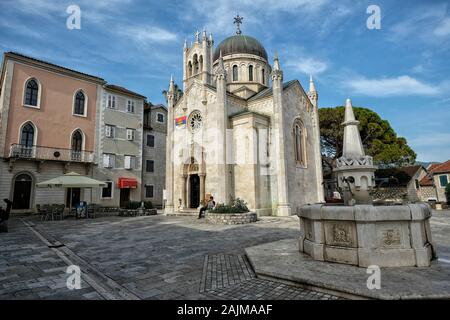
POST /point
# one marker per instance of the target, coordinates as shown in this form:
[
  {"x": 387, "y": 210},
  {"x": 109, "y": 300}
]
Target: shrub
[
  {"x": 236, "y": 206},
  {"x": 148, "y": 205},
  {"x": 447, "y": 193},
  {"x": 133, "y": 205}
]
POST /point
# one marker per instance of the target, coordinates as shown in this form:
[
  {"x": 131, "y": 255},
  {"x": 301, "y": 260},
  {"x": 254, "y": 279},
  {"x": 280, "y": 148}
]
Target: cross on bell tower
[{"x": 238, "y": 22}]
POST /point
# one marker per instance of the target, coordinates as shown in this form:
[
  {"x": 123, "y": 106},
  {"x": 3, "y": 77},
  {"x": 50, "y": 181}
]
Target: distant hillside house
[
  {"x": 400, "y": 184},
  {"x": 437, "y": 179}
]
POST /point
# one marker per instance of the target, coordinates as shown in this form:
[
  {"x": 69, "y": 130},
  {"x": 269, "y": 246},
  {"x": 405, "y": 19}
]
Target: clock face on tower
[{"x": 195, "y": 121}]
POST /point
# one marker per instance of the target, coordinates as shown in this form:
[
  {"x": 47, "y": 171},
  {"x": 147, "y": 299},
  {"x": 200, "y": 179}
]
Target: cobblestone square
[{"x": 153, "y": 257}]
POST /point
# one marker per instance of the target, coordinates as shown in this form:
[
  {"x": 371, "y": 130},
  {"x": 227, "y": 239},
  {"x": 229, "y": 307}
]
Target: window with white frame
[
  {"x": 130, "y": 106},
  {"x": 130, "y": 162},
  {"x": 32, "y": 93},
  {"x": 148, "y": 191},
  {"x": 110, "y": 131},
  {"x": 107, "y": 192},
  {"x": 160, "y": 118},
  {"x": 130, "y": 134},
  {"x": 443, "y": 180},
  {"x": 111, "y": 101},
  {"x": 108, "y": 160}
]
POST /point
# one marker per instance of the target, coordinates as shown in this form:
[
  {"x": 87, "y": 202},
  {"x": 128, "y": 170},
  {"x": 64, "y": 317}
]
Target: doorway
[
  {"x": 124, "y": 197},
  {"x": 23, "y": 185},
  {"x": 194, "y": 187},
  {"x": 76, "y": 197}
]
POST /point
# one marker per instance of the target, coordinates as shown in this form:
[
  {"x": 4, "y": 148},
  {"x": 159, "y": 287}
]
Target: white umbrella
[{"x": 72, "y": 180}]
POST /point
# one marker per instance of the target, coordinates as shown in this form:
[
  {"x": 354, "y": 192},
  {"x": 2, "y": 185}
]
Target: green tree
[{"x": 379, "y": 139}]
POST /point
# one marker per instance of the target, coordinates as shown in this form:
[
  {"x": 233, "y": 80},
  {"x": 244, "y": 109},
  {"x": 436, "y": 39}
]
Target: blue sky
[{"x": 401, "y": 71}]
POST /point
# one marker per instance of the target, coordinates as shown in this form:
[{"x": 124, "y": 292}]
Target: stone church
[{"x": 239, "y": 131}]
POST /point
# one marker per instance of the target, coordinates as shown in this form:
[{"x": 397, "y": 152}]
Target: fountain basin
[{"x": 364, "y": 235}]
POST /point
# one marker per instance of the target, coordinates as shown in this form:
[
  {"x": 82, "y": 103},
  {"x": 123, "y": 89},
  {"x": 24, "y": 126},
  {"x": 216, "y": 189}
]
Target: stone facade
[
  {"x": 231, "y": 218},
  {"x": 122, "y": 111},
  {"x": 232, "y": 135},
  {"x": 155, "y": 125}
]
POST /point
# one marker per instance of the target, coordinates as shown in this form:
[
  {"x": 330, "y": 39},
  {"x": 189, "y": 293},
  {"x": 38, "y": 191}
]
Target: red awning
[{"x": 127, "y": 183}]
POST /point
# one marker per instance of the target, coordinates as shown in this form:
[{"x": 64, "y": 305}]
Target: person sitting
[{"x": 208, "y": 206}]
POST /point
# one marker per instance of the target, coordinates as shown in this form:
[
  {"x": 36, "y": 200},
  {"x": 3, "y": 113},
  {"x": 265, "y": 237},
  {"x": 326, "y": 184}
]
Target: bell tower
[{"x": 197, "y": 59}]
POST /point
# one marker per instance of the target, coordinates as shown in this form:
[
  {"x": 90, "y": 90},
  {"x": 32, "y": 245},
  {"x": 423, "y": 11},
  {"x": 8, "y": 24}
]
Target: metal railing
[{"x": 48, "y": 153}]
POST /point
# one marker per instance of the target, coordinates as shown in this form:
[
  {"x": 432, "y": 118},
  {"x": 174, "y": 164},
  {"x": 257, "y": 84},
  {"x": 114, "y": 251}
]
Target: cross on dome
[{"x": 238, "y": 22}]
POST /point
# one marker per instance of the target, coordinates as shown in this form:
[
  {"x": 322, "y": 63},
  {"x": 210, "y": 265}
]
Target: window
[
  {"x": 130, "y": 162},
  {"x": 77, "y": 141},
  {"x": 130, "y": 106},
  {"x": 31, "y": 93},
  {"x": 27, "y": 135},
  {"x": 235, "y": 73},
  {"x": 263, "y": 76},
  {"x": 443, "y": 180},
  {"x": 110, "y": 131},
  {"x": 299, "y": 143},
  {"x": 150, "y": 141},
  {"x": 149, "y": 191},
  {"x": 417, "y": 184},
  {"x": 130, "y": 134},
  {"x": 79, "y": 105},
  {"x": 108, "y": 160},
  {"x": 111, "y": 101},
  {"x": 107, "y": 191},
  {"x": 160, "y": 118},
  {"x": 250, "y": 73},
  {"x": 150, "y": 166},
  {"x": 77, "y": 146}
]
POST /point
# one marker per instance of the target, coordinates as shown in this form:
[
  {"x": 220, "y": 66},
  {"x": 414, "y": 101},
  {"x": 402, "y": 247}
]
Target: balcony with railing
[{"x": 19, "y": 151}]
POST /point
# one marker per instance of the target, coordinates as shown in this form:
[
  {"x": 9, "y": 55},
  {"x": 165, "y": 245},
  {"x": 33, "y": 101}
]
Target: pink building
[{"x": 47, "y": 127}]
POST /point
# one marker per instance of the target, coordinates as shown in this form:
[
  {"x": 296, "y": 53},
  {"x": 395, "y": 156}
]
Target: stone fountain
[{"x": 359, "y": 233}]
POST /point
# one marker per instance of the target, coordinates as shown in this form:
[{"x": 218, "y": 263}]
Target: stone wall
[
  {"x": 231, "y": 218},
  {"x": 398, "y": 194}
]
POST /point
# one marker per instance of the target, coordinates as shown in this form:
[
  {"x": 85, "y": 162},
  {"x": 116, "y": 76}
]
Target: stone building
[
  {"x": 119, "y": 146},
  {"x": 48, "y": 116},
  {"x": 434, "y": 183},
  {"x": 154, "y": 153},
  {"x": 400, "y": 184},
  {"x": 240, "y": 131}
]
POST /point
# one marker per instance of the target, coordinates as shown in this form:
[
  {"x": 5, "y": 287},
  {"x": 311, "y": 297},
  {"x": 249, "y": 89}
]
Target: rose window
[{"x": 195, "y": 121}]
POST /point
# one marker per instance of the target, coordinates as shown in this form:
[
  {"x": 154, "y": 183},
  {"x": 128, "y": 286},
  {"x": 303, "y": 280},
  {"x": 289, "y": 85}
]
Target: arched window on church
[
  {"x": 263, "y": 76},
  {"x": 299, "y": 142},
  {"x": 201, "y": 63},
  {"x": 235, "y": 73},
  {"x": 250, "y": 73},
  {"x": 195, "y": 61},
  {"x": 189, "y": 69}
]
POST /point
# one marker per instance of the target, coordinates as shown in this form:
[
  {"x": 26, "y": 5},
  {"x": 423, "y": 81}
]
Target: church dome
[{"x": 240, "y": 44}]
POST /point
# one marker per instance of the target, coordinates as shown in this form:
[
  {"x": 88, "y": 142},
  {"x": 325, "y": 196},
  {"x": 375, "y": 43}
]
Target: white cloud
[
  {"x": 148, "y": 34},
  {"x": 400, "y": 86},
  {"x": 432, "y": 139},
  {"x": 308, "y": 65},
  {"x": 427, "y": 24},
  {"x": 443, "y": 29}
]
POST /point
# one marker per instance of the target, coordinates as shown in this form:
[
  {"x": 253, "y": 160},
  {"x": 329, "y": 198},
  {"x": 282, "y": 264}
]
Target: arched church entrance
[
  {"x": 192, "y": 185},
  {"x": 194, "y": 191}
]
